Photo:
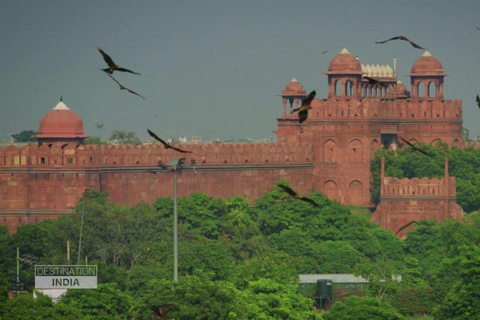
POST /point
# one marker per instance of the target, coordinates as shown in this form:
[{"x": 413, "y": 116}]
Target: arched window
[
  {"x": 355, "y": 151},
  {"x": 338, "y": 88},
  {"x": 421, "y": 89},
  {"x": 330, "y": 189},
  {"x": 431, "y": 89},
  {"x": 349, "y": 88},
  {"x": 355, "y": 192},
  {"x": 329, "y": 151}
]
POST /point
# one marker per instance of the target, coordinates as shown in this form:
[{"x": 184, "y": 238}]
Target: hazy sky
[{"x": 214, "y": 68}]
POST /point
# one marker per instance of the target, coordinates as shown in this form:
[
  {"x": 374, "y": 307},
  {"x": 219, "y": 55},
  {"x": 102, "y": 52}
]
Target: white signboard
[{"x": 66, "y": 277}]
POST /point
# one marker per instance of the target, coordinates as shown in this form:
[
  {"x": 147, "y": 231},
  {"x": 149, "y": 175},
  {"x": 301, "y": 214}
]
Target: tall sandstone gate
[{"x": 329, "y": 152}]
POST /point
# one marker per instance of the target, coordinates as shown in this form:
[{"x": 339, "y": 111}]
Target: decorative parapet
[{"x": 58, "y": 154}]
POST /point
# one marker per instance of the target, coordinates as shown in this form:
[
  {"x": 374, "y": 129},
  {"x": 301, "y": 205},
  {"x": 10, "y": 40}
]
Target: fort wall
[{"x": 38, "y": 183}]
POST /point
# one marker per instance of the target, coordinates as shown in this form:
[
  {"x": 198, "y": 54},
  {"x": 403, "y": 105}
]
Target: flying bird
[
  {"x": 478, "y": 101},
  {"x": 477, "y": 28},
  {"x": 111, "y": 65},
  {"x": 402, "y": 38},
  {"x": 295, "y": 195},
  {"x": 376, "y": 82},
  {"x": 416, "y": 149},
  {"x": 324, "y": 51},
  {"x": 123, "y": 87},
  {"x": 405, "y": 226},
  {"x": 167, "y": 146},
  {"x": 303, "y": 110}
]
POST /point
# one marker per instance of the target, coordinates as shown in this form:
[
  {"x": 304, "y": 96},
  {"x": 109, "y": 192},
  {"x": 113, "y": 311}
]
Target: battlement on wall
[
  {"x": 474, "y": 144},
  {"x": 415, "y": 187},
  {"x": 385, "y": 108},
  {"x": 62, "y": 154},
  {"x": 427, "y": 187}
]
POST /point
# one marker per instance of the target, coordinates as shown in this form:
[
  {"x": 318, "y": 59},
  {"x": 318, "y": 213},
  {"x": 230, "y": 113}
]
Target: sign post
[{"x": 66, "y": 277}]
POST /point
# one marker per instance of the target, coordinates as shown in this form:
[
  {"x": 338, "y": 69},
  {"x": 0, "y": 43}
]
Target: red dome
[
  {"x": 427, "y": 65},
  {"x": 294, "y": 88},
  {"x": 61, "y": 122},
  {"x": 402, "y": 90},
  {"x": 344, "y": 63}
]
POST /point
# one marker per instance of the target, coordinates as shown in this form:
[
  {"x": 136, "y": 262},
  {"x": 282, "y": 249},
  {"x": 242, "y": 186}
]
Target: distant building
[{"x": 330, "y": 152}]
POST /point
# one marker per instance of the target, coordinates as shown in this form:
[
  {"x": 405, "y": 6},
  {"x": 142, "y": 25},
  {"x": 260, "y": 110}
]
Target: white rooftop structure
[
  {"x": 336, "y": 278},
  {"x": 377, "y": 70},
  {"x": 61, "y": 106}
]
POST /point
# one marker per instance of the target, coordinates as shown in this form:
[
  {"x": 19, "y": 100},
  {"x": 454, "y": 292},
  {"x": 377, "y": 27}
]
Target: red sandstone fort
[{"x": 329, "y": 152}]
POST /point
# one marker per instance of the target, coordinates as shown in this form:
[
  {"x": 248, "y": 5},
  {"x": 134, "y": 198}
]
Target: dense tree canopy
[
  {"x": 25, "y": 136},
  {"x": 238, "y": 261}
]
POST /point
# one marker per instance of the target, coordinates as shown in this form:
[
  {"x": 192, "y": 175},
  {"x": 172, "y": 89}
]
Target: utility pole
[
  {"x": 175, "y": 228},
  {"x": 175, "y": 166},
  {"x": 81, "y": 227},
  {"x": 18, "y": 264}
]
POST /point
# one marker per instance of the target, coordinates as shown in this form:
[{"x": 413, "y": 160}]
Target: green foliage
[
  {"x": 362, "y": 308},
  {"x": 193, "y": 297},
  {"x": 242, "y": 262},
  {"x": 94, "y": 140},
  {"x": 268, "y": 299},
  {"x": 27, "y": 307},
  {"x": 107, "y": 302},
  {"x": 463, "y": 301},
  {"x": 415, "y": 301},
  {"x": 125, "y": 137},
  {"x": 25, "y": 136}
]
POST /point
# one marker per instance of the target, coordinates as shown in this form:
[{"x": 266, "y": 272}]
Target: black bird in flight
[
  {"x": 124, "y": 88},
  {"x": 402, "y": 38},
  {"x": 324, "y": 51},
  {"x": 415, "y": 148},
  {"x": 477, "y": 28},
  {"x": 303, "y": 110},
  {"x": 111, "y": 65},
  {"x": 295, "y": 195},
  {"x": 478, "y": 101},
  {"x": 376, "y": 82},
  {"x": 167, "y": 146},
  {"x": 405, "y": 226}
]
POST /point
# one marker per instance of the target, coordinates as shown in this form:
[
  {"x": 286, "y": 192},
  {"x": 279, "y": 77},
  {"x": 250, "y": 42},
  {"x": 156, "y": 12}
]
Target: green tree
[
  {"x": 192, "y": 297},
  {"x": 25, "y": 306},
  {"x": 268, "y": 299},
  {"x": 107, "y": 302},
  {"x": 94, "y": 140},
  {"x": 463, "y": 301},
  {"x": 125, "y": 137},
  {"x": 381, "y": 275},
  {"x": 25, "y": 136},
  {"x": 466, "y": 134},
  {"x": 362, "y": 308}
]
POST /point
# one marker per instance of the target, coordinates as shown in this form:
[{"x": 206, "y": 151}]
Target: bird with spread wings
[
  {"x": 405, "y": 226},
  {"x": 303, "y": 110},
  {"x": 295, "y": 195},
  {"x": 404, "y": 39},
  {"x": 167, "y": 146},
  {"x": 416, "y": 149},
  {"x": 111, "y": 65},
  {"x": 122, "y": 87},
  {"x": 376, "y": 82}
]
